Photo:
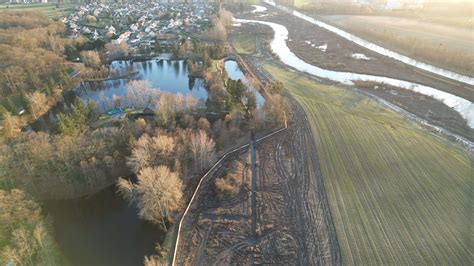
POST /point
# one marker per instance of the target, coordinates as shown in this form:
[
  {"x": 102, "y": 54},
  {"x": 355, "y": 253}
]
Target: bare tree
[
  {"x": 204, "y": 124},
  {"x": 140, "y": 92},
  {"x": 26, "y": 233},
  {"x": 116, "y": 50},
  {"x": 37, "y": 103},
  {"x": 90, "y": 58},
  {"x": 126, "y": 189},
  {"x": 225, "y": 16},
  {"x": 11, "y": 125},
  {"x": 203, "y": 149},
  {"x": 151, "y": 151},
  {"x": 218, "y": 32},
  {"x": 166, "y": 108},
  {"x": 158, "y": 193},
  {"x": 153, "y": 261}
]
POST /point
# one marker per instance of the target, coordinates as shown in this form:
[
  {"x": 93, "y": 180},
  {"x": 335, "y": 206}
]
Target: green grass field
[
  {"x": 244, "y": 43},
  {"x": 49, "y": 9},
  {"x": 398, "y": 195}
]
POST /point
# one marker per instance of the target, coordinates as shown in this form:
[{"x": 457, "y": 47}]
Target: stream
[
  {"x": 376, "y": 48},
  {"x": 279, "y": 47}
]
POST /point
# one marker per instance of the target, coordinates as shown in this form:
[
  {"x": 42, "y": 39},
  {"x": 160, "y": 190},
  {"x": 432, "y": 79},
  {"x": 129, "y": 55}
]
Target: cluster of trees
[
  {"x": 90, "y": 58},
  {"x": 76, "y": 121},
  {"x": 203, "y": 55},
  {"x": 140, "y": 94},
  {"x": 162, "y": 160},
  {"x": 220, "y": 23},
  {"x": 114, "y": 51},
  {"x": 275, "y": 87},
  {"x": 231, "y": 96},
  {"x": 63, "y": 166},
  {"x": 31, "y": 50},
  {"x": 74, "y": 47},
  {"x": 36, "y": 103},
  {"x": 26, "y": 234}
]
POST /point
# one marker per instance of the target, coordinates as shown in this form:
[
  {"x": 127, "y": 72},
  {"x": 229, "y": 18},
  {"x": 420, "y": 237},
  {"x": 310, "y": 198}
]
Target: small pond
[
  {"x": 102, "y": 229},
  {"x": 235, "y": 73}
]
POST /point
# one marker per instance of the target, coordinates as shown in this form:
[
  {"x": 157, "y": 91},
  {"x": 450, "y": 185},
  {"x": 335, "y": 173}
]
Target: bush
[{"x": 229, "y": 184}]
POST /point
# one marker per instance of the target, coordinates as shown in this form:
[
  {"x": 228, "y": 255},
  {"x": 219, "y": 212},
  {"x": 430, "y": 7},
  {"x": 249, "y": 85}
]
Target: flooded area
[
  {"x": 378, "y": 49},
  {"x": 235, "y": 73},
  {"x": 102, "y": 229},
  {"x": 279, "y": 47}
]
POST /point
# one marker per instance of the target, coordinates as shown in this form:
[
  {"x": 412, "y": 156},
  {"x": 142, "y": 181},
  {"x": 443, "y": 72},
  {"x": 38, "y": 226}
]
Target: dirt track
[{"x": 294, "y": 224}]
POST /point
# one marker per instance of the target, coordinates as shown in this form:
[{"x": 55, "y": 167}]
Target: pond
[
  {"x": 166, "y": 75},
  {"x": 235, "y": 73},
  {"x": 102, "y": 229}
]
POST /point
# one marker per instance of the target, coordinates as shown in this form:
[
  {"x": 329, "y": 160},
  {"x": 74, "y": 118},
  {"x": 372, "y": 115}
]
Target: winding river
[
  {"x": 376, "y": 48},
  {"x": 279, "y": 47}
]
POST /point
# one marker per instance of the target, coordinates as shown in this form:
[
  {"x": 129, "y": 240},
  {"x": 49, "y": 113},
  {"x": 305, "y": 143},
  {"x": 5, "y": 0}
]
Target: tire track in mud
[
  {"x": 308, "y": 205},
  {"x": 306, "y": 198}
]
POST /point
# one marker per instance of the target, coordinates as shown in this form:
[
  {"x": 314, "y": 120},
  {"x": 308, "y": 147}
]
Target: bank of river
[
  {"x": 279, "y": 47},
  {"x": 378, "y": 49}
]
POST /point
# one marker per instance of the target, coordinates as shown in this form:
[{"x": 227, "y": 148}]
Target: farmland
[
  {"x": 51, "y": 10},
  {"x": 446, "y": 46},
  {"x": 397, "y": 194}
]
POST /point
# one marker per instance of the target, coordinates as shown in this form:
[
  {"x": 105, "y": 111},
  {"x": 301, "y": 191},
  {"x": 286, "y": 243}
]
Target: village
[{"x": 139, "y": 25}]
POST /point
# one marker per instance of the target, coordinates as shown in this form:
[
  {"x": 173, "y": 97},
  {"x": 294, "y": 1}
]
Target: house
[{"x": 165, "y": 39}]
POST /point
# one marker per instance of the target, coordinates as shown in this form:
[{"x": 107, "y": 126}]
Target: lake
[{"x": 166, "y": 75}]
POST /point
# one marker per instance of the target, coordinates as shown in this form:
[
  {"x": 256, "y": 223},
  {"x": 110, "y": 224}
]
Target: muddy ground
[
  {"x": 304, "y": 38},
  {"x": 294, "y": 225},
  {"x": 424, "y": 107}
]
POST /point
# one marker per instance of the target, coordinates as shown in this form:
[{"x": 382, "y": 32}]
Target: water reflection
[
  {"x": 167, "y": 75},
  {"x": 102, "y": 230},
  {"x": 235, "y": 73}
]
